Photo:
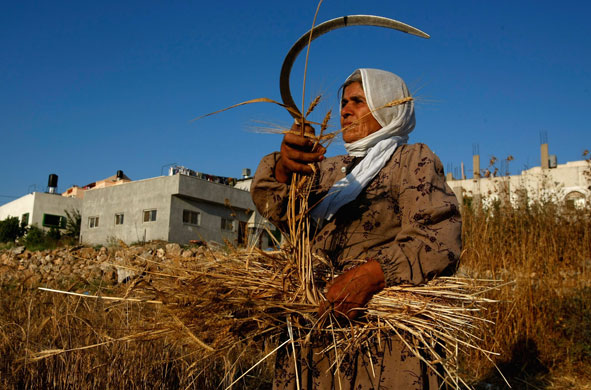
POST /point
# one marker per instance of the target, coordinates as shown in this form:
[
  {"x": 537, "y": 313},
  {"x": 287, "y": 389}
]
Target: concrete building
[
  {"x": 46, "y": 210},
  {"x": 569, "y": 183},
  {"x": 178, "y": 208},
  {"x": 182, "y": 207}
]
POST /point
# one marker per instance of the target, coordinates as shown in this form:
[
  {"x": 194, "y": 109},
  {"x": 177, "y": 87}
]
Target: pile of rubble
[{"x": 86, "y": 264}]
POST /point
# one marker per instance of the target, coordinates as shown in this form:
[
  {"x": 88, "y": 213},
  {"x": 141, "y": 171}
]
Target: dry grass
[
  {"x": 543, "y": 320},
  {"x": 542, "y": 330},
  {"x": 31, "y": 321}
]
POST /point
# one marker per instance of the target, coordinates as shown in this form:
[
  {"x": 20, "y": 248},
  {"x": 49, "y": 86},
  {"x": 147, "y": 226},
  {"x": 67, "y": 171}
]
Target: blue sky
[{"x": 88, "y": 88}]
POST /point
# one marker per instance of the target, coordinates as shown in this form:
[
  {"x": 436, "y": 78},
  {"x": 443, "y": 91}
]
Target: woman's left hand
[{"x": 353, "y": 289}]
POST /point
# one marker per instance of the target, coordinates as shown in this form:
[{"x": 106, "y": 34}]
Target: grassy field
[
  {"x": 543, "y": 319},
  {"x": 542, "y": 332}
]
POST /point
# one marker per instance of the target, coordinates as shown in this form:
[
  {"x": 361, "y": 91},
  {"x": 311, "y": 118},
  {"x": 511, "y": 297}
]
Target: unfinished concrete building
[{"x": 569, "y": 183}]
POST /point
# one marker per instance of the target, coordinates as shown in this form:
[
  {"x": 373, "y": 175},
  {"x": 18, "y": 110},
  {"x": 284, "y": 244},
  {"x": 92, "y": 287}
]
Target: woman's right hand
[{"x": 296, "y": 153}]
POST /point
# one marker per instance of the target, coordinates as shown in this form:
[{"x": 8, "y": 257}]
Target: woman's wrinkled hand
[
  {"x": 296, "y": 153},
  {"x": 353, "y": 289}
]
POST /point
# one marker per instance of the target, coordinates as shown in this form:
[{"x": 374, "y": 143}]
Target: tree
[{"x": 10, "y": 229}]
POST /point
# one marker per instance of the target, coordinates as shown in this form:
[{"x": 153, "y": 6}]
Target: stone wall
[{"x": 86, "y": 265}]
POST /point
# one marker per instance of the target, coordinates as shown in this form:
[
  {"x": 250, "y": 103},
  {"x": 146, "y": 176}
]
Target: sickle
[{"x": 323, "y": 28}]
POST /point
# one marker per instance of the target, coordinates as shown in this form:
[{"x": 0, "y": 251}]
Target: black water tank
[
  {"x": 119, "y": 174},
  {"x": 52, "y": 182}
]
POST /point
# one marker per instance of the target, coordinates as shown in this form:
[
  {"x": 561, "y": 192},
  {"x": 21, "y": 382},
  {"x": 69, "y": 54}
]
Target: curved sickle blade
[{"x": 323, "y": 28}]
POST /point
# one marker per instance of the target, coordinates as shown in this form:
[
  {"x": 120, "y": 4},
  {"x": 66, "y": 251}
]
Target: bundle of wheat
[{"x": 237, "y": 300}]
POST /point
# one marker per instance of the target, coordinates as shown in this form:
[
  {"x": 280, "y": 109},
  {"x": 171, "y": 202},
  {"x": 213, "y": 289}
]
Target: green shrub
[
  {"x": 54, "y": 234},
  {"x": 37, "y": 239},
  {"x": 10, "y": 229}
]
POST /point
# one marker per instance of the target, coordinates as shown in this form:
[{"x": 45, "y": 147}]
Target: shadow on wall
[{"x": 523, "y": 371}]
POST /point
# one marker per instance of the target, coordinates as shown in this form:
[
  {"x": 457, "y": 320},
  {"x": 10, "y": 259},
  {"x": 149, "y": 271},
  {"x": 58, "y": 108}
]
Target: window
[
  {"x": 25, "y": 219},
  {"x": 57, "y": 221},
  {"x": 574, "y": 200},
  {"x": 119, "y": 219},
  {"x": 149, "y": 215},
  {"x": 242, "y": 233},
  {"x": 191, "y": 217},
  {"x": 227, "y": 224},
  {"x": 93, "y": 222}
]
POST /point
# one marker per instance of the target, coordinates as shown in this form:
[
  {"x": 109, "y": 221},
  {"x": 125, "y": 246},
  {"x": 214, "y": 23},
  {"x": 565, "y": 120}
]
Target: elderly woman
[{"x": 385, "y": 204}]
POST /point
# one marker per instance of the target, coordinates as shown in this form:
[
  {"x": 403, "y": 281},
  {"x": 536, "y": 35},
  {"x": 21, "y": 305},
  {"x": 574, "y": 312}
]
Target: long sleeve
[
  {"x": 269, "y": 196},
  {"x": 429, "y": 240}
]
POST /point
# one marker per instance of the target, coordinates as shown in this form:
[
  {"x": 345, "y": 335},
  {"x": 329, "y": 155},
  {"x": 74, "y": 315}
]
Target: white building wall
[
  {"x": 37, "y": 204},
  {"x": 539, "y": 184},
  {"x": 18, "y": 207}
]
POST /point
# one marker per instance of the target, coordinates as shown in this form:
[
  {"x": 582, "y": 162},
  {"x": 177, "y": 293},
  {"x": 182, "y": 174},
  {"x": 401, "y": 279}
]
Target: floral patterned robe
[{"x": 407, "y": 218}]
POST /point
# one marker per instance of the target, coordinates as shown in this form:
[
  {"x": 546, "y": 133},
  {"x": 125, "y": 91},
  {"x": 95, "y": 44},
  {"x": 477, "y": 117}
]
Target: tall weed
[{"x": 544, "y": 316}]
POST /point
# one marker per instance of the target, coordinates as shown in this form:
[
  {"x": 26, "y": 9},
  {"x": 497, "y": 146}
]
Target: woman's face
[{"x": 355, "y": 114}]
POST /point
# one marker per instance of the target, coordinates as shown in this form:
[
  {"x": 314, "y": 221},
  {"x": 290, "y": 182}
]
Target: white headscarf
[{"x": 380, "y": 87}]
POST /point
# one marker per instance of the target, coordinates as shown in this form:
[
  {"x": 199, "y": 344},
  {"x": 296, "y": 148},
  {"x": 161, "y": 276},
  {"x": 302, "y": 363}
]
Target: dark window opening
[{"x": 57, "y": 221}]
